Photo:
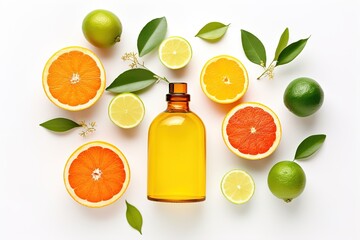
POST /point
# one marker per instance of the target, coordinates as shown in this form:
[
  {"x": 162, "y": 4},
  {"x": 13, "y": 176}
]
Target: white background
[{"x": 33, "y": 200}]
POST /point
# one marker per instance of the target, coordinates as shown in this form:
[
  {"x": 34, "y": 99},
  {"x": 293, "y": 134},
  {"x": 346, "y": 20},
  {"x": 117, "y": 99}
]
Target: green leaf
[
  {"x": 134, "y": 217},
  {"x": 291, "y": 52},
  {"x": 309, "y": 146},
  {"x": 212, "y": 31},
  {"x": 151, "y": 35},
  {"x": 60, "y": 124},
  {"x": 132, "y": 80},
  {"x": 284, "y": 39},
  {"x": 253, "y": 48}
]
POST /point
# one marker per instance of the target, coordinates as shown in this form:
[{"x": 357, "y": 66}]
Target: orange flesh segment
[
  {"x": 74, "y": 78},
  {"x": 97, "y": 162},
  {"x": 224, "y": 79},
  {"x": 251, "y": 130}
]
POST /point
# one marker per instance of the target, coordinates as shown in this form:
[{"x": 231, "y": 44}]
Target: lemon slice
[
  {"x": 175, "y": 52},
  {"x": 237, "y": 186},
  {"x": 126, "y": 110}
]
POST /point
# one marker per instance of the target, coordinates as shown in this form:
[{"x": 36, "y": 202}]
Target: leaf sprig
[
  {"x": 255, "y": 51},
  {"x": 138, "y": 77},
  {"x": 63, "y": 125}
]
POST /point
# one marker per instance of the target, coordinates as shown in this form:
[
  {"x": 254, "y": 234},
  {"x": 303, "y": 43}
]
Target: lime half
[
  {"x": 175, "y": 52},
  {"x": 126, "y": 110},
  {"x": 237, "y": 186}
]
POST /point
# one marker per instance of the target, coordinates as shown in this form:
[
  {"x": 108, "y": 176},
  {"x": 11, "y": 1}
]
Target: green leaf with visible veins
[
  {"x": 253, "y": 48},
  {"x": 291, "y": 52},
  {"x": 151, "y": 35},
  {"x": 309, "y": 146},
  {"x": 60, "y": 124},
  {"x": 212, "y": 31},
  {"x": 132, "y": 80},
  {"x": 134, "y": 217},
  {"x": 284, "y": 39}
]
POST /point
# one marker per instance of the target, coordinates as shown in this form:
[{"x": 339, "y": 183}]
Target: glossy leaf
[
  {"x": 134, "y": 217},
  {"x": 60, "y": 124},
  {"x": 291, "y": 52},
  {"x": 253, "y": 48},
  {"x": 284, "y": 39},
  {"x": 309, "y": 146},
  {"x": 212, "y": 31},
  {"x": 132, "y": 80},
  {"x": 151, "y": 35}
]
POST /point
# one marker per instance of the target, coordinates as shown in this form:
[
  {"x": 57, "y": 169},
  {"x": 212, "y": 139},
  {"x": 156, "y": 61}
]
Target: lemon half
[
  {"x": 237, "y": 186},
  {"x": 175, "y": 52},
  {"x": 126, "y": 110}
]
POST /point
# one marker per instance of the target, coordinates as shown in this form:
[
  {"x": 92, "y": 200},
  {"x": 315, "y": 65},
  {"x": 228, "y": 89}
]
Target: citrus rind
[
  {"x": 250, "y": 182},
  {"x": 45, "y": 74},
  {"x": 188, "y": 53},
  {"x": 117, "y": 122},
  {"x": 249, "y": 156},
  {"x": 74, "y": 155},
  {"x": 228, "y": 100}
]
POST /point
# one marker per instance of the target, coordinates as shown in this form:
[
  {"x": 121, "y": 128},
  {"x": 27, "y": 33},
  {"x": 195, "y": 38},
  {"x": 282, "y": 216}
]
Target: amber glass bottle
[{"x": 176, "y": 151}]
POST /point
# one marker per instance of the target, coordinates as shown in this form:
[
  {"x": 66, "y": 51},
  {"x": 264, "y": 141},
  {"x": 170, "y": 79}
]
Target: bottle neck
[
  {"x": 178, "y": 99},
  {"x": 175, "y": 106}
]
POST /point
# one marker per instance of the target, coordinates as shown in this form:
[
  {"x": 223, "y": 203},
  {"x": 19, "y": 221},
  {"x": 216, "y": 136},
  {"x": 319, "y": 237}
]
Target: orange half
[
  {"x": 224, "y": 79},
  {"x": 74, "y": 78},
  {"x": 251, "y": 131},
  {"x": 96, "y": 174}
]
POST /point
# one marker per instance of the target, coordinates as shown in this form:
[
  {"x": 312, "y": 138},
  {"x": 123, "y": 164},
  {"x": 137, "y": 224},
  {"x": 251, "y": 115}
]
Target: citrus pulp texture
[
  {"x": 175, "y": 52},
  {"x": 286, "y": 180},
  {"x": 96, "y": 174},
  {"x": 303, "y": 97},
  {"x": 74, "y": 78},
  {"x": 102, "y": 28},
  {"x": 251, "y": 130},
  {"x": 224, "y": 79},
  {"x": 126, "y": 110},
  {"x": 237, "y": 186}
]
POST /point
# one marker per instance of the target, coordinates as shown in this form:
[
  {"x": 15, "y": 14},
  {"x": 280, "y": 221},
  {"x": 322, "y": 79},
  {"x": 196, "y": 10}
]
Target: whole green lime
[
  {"x": 102, "y": 28},
  {"x": 286, "y": 180},
  {"x": 303, "y": 96}
]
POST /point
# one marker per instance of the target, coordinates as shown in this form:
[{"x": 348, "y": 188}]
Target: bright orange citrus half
[
  {"x": 251, "y": 131},
  {"x": 224, "y": 79},
  {"x": 96, "y": 174},
  {"x": 74, "y": 78}
]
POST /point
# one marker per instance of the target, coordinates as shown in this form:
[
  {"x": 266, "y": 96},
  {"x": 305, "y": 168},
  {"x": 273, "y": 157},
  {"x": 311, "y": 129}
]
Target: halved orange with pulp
[
  {"x": 251, "y": 130},
  {"x": 74, "y": 78},
  {"x": 96, "y": 174},
  {"x": 224, "y": 79}
]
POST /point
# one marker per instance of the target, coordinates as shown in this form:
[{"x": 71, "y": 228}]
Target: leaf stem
[
  {"x": 161, "y": 78},
  {"x": 135, "y": 63},
  {"x": 265, "y": 72},
  {"x": 269, "y": 71}
]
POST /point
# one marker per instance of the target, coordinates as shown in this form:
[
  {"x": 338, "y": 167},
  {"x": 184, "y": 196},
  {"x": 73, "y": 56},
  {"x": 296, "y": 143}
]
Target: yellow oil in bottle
[{"x": 176, "y": 151}]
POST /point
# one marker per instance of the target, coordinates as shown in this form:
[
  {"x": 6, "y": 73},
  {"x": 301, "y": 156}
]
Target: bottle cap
[
  {"x": 175, "y": 88},
  {"x": 178, "y": 92}
]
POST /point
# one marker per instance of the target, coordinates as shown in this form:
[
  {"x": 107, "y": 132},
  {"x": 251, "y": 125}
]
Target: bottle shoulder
[{"x": 177, "y": 118}]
